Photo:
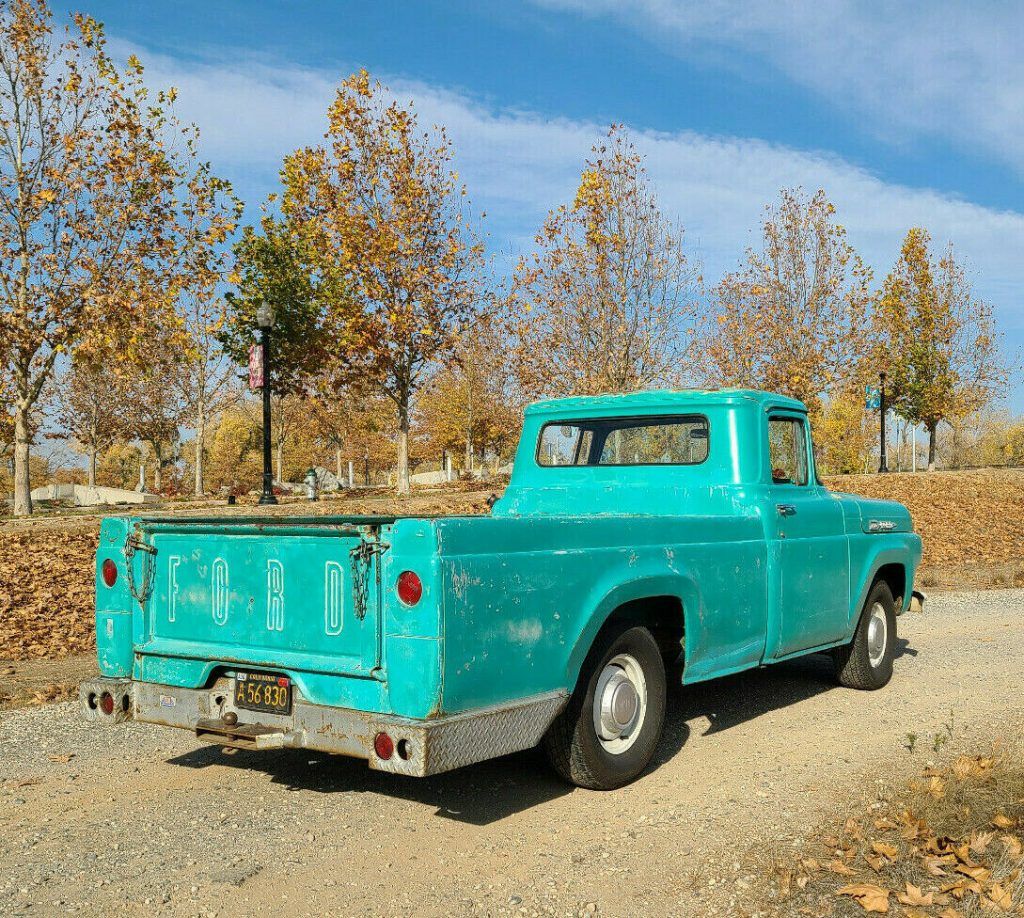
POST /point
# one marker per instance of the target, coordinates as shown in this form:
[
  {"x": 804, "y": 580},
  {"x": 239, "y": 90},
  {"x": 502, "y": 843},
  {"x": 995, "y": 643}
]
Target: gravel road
[{"x": 139, "y": 821}]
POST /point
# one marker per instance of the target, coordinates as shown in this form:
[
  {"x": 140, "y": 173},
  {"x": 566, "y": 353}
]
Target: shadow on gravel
[
  {"x": 735, "y": 700},
  {"x": 491, "y": 791},
  {"x": 479, "y": 794}
]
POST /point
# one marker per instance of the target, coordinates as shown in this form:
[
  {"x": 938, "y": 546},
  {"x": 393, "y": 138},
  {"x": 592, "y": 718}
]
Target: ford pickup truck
[{"x": 659, "y": 532}]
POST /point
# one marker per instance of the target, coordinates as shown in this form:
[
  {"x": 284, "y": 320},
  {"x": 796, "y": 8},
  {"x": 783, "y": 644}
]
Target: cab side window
[{"x": 787, "y": 450}]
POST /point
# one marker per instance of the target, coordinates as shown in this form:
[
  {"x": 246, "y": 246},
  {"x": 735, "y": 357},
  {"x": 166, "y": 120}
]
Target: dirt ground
[
  {"x": 139, "y": 821},
  {"x": 27, "y": 682}
]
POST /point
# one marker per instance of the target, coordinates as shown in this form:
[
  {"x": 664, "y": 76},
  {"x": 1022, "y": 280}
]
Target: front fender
[{"x": 876, "y": 551}]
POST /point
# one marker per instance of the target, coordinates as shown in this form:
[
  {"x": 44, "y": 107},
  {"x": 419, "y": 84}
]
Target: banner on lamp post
[{"x": 255, "y": 367}]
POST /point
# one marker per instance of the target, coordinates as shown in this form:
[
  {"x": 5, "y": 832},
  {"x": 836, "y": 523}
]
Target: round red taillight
[
  {"x": 384, "y": 746},
  {"x": 109, "y": 570},
  {"x": 107, "y": 703},
  {"x": 410, "y": 588}
]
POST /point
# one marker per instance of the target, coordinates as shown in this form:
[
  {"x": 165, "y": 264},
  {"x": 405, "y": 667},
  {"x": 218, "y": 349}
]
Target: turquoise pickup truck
[{"x": 681, "y": 533}]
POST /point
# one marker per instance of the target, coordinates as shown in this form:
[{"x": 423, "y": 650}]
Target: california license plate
[{"x": 263, "y": 692}]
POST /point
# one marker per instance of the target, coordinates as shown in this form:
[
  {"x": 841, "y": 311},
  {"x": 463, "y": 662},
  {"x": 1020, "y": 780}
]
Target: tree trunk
[
  {"x": 92, "y": 465},
  {"x": 403, "y": 447},
  {"x": 337, "y": 464},
  {"x": 469, "y": 452},
  {"x": 22, "y": 479},
  {"x": 280, "y": 461},
  {"x": 200, "y": 484},
  {"x": 158, "y": 472},
  {"x": 931, "y": 428}
]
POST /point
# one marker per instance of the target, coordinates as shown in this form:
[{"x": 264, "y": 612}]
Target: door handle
[{"x": 786, "y": 509}]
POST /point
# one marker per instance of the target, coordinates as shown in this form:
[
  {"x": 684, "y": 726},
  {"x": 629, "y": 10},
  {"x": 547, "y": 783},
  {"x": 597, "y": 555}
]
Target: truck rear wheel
[
  {"x": 866, "y": 662},
  {"x": 610, "y": 728}
]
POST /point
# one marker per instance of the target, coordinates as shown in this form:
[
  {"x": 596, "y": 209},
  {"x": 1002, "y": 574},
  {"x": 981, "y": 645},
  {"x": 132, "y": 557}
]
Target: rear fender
[{"x": 678, "y": 585}]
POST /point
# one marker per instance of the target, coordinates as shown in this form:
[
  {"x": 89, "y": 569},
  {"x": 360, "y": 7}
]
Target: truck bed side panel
[{"x": 524, "y": 597}]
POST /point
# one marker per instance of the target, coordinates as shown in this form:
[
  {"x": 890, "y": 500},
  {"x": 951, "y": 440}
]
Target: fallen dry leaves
[
  {"x": 871, "y": 898},
  {"x": 972, "y": 517},
  {"x": 952, "y": 848},
  {"x": 46, "y": 593}
]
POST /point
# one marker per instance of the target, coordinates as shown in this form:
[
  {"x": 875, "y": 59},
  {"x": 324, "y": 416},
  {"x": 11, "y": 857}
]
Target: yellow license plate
[{"x": 263, "y": 692}]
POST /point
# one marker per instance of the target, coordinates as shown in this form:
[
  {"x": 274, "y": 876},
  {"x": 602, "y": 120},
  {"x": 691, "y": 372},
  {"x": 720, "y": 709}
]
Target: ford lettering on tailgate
[{"x": 253, "y": 597}]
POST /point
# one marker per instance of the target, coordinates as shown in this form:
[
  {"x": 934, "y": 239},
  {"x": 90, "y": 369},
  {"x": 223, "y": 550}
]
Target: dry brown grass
[{"x": 950, "y": 846}]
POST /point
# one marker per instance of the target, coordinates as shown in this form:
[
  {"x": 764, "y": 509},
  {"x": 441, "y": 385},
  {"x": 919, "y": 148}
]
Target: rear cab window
[{"x": 671, "y": 440}]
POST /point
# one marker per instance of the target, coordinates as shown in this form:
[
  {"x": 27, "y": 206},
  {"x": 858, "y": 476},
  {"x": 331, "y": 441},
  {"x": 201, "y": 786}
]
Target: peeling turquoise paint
[{"x": 511, "y": 602}]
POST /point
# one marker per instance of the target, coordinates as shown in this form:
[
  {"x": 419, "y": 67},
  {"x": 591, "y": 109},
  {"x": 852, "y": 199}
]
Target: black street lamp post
[
  {"x": 265, "y": 319},
  {"x": 883, "y": 459}
]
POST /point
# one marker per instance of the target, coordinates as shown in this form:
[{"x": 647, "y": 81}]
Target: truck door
[{"x": 812, "y": 577}]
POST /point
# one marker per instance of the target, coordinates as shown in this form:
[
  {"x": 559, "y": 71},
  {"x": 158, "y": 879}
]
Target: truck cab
[{"x": 683, "y": 533}]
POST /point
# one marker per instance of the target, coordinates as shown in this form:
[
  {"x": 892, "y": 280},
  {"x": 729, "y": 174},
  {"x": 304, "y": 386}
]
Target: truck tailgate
[{"x": 299, "y": 596}]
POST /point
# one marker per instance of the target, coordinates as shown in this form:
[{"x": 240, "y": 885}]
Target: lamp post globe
[
  {"x": 265, "y": 320},
  {"x": 265, "y": 315}
]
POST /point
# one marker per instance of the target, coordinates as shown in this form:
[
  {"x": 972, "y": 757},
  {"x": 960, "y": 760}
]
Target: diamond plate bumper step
[{"x": 422, "y": 747}]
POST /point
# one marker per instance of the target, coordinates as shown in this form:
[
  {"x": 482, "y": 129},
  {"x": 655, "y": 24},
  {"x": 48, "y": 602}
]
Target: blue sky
[{"x": 906, "y": 114}]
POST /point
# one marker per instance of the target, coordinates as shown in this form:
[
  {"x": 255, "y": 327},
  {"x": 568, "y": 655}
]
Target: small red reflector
[
  {"x": 384, "y": 746},
  {"x": 109, "y": 570},
  {"x": 410, "y": 588},
  {"x": 107, "y": 703}
]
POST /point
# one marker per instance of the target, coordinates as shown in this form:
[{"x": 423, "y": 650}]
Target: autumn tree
[
  {"x": 84, "y": 203},
  {"x": 6, "y": 419},
  {"x": 273, "y": 266},
  {"x": 204, "y": 375},
  {"x": 469, "y": 405},
  {"x": 119, "y": 465},
  {"x": 607, "y": 301},
  {"x": 795, "y": 318},
  {"x": 346, "y": 422},
  {"x": 89, "y": 405},
  {"x": 845, "y": 434},
  {"x": 380, "y": 208},
  {"x": 289, "y": 416},
  {"x": 939, "y": 345},
  {"x": 152, "y": 411},
  {"x": 235, "y": 462}
]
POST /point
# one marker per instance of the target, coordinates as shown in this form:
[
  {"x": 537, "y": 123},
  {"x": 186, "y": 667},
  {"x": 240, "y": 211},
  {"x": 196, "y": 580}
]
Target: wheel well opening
[
  {"x": 895, "y": 576},
  {"x": 661, "y": 615}
]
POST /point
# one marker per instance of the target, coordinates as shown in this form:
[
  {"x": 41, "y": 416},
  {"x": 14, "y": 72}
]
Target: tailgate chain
[
  {"x": 132, "y": 544},
  {"x": 362, "y": 556}
]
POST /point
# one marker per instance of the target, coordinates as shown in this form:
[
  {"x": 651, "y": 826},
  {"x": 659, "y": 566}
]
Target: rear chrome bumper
[{"x": 430, "y": 746}]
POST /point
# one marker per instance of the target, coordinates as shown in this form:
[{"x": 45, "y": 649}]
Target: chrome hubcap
[
  {"x": 878, "y": 634},
  {"x": 620, "y": 703}
]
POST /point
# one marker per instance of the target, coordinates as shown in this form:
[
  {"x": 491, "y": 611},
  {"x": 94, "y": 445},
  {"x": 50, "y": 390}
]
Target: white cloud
[
  {"x": 942, "y": 69},
  {"x": 518, "y": 164}
]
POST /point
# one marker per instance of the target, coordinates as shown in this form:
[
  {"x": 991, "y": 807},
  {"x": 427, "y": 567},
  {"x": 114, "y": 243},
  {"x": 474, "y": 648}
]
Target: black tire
[
  {"x": 572, "y": 743},
  {"x": 853, "y": 662}
]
